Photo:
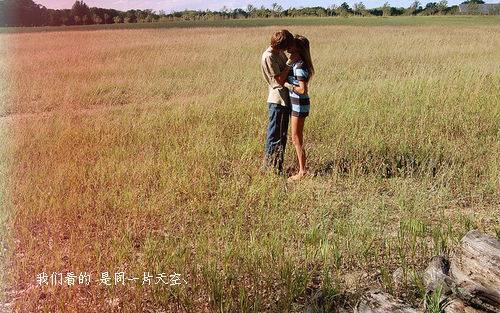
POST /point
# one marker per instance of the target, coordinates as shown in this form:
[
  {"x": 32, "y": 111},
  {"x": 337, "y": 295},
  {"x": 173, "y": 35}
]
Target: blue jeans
[{"x": 277, "y": 132}]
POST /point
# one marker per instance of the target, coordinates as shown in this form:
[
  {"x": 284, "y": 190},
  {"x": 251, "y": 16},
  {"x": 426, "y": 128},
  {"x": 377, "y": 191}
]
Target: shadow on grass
[{"x": 387, "y": 167}]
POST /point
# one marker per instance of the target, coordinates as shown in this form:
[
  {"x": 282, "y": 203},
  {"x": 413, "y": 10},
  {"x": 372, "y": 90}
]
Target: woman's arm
[
  {"x": 301, "y": 88},
  {"x": 282, "y": 77}
]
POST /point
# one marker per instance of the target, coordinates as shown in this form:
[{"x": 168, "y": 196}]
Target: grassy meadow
[
  {"x": 138, "y": 150},
  {"x": 434, "y": 20}
]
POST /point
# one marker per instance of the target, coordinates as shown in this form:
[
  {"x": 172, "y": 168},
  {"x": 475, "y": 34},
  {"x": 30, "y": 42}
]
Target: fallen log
[
  {"x": 475, "y": 270},
  {"x": 379, "y": 302},
  {"x": 458, "y": 306}
]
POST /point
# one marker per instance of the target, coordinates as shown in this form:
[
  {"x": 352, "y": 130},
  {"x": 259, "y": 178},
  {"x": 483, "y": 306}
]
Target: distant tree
[
  {"x": 21, "y": 13},
  {"x": 239, "y": 13},
  {"x": 251, "y": 10},
  {"x": 3, "y": 15},
  {"x": 28, "y": 13},
  {"x": 442, "y": 6},
  {"x": 189, "y": 15},
  {"x": 413, "y": 8},
  {"x": 263, "y": 12},
  {"x": 225, "y": 11},
  {"x": 52, "y": 17},
  {"x": 495, "y": 10},
  {"x": 130, "y": 17},
  {"x": 276, "y": 9},
  {"x": 386, "y": 9},
  {"x": 66, "y": 17},
  {"x": 321, "y": 11},
  {"x": 146, "y": 16},
  {"x": 453, "y": 10},
  {"x": 96, "y": 19},
  {"x": 473, "y": 2},
  {"x": 473, "y": 8},
  {"x": 80, "y": 10},
  {"x": 360, "y": 9},
  {"x": 430, "y": 8},
  {"x": 344, "y": 10}
]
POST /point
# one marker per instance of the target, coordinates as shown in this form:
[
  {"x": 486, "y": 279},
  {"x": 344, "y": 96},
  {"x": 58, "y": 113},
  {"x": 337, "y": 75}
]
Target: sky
[{"x": 179, "y": 5}]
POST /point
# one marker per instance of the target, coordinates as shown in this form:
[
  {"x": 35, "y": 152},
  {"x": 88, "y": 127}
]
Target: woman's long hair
[{"x": 302, "y": 44}]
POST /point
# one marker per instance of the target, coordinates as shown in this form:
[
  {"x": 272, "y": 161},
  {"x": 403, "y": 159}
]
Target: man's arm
[
  {"x": 282, "y": 77},
  {"x": 279, "y": 76}
]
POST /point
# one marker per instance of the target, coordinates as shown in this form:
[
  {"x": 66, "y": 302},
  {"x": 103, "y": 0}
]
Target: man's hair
[{"x": 282, "y": 39}]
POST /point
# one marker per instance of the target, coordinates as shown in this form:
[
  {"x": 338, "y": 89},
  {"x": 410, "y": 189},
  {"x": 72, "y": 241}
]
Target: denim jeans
[{"x": 277, "y": 132}]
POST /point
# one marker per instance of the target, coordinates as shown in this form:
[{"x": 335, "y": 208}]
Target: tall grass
[
  {"x": 6, "y": 159},
  {"x": 435, "y": 20},
  {"x": 139, "y": 150}
]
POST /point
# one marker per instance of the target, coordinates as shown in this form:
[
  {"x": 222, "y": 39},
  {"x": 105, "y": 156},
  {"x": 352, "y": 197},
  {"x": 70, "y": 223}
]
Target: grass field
[
  {"x": 138, "y": 150},
  {"x": 436, "y": 20}
]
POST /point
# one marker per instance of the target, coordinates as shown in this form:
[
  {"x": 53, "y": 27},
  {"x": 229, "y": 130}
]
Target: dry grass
[{"x": 138, "y": 151}]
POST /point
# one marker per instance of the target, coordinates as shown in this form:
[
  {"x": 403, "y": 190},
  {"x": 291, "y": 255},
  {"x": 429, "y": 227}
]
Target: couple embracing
[{"x": 288, "y": 79}]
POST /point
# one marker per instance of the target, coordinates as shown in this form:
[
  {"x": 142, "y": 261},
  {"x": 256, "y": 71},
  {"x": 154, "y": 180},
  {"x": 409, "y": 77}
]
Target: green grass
[
  {"x": 6, "y": 161},
  {"x": 457, "y": 20},
  {"x": 140, "y": 150}
]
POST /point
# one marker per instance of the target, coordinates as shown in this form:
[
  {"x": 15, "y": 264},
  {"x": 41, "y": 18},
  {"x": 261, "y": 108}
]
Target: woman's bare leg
[{"x": 297, "y": 139}]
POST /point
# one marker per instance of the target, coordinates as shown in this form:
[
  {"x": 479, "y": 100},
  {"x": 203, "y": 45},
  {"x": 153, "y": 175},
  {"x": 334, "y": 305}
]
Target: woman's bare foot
[{"x": 297, "y": 176}]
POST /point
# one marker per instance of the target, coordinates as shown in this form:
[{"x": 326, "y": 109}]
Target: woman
[{"x": 301, "y": 73}]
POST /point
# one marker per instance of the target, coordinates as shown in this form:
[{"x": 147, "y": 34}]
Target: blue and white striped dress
[{"x": 300, "y": 103}]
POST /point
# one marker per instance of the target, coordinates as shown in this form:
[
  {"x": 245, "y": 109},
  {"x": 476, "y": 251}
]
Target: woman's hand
[
  {"x": 288, "y": 86},
  {"x": 301, "y": 88}
]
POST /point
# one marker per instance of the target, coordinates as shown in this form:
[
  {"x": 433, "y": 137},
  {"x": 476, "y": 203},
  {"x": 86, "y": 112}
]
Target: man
[{"x": 275, "y": 69}]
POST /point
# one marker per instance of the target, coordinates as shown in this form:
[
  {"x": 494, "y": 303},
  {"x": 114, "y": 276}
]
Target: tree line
[{"x": 29, "y": 13}]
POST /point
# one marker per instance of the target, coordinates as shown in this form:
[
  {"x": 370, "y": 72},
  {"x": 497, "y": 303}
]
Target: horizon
[{"x": 170, "y": 6}]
